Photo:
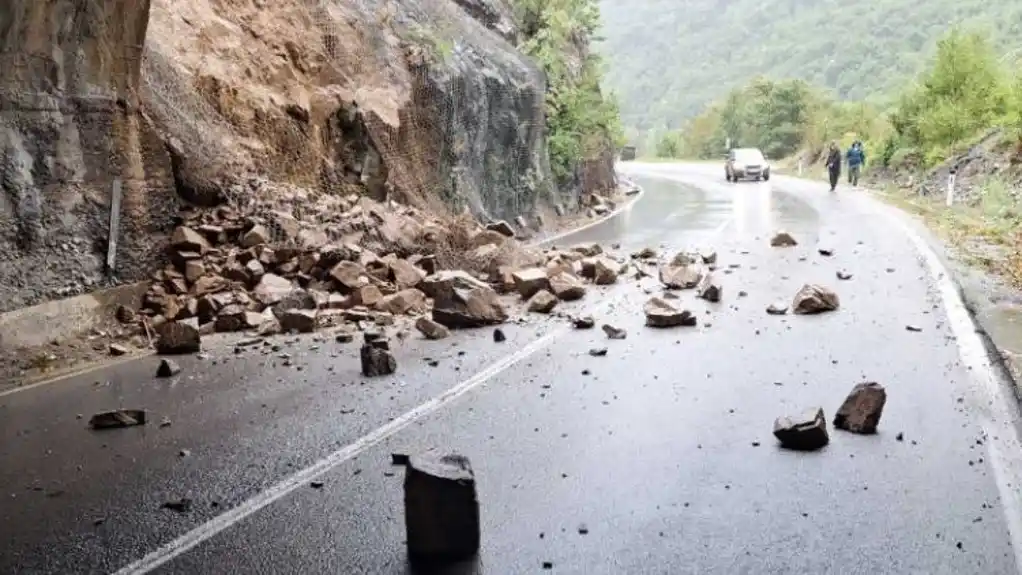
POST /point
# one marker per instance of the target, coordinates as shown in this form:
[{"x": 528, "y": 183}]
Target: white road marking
[{"x": 1002, "y": 436}]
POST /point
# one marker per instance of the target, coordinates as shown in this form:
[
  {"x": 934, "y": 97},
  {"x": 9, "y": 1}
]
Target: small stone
[
  {"x": 659, "y": 313},
  {"x": 825, "y": 251},
  {"x": 777, "y": 308},
  {"x": 117, "y": 350},
  {"x": 913, "y": 328},
  {"x": 431, "y": 329},
  {"x": 598, "y": 351},
  {"x": 501, "y": 227},
  {"x": 862, "y": 409},
  {"x": 586, "y": 322},
  {"x": 118, "y": 418},
  {"x": 710, "y": 289},
  {"x": 542, "y": 302},
  {"x": 614, "y": 332},
  {"x": 183, "y": 505},
  {"x": 498, "y": 335},
  {"x": 605, "y": 271},
  {"x": 167, "y": 368},
  {"x": 843, "y": 275},
  {"x": 441, "y": 509},
  {"x": 814, "y": 299},
  {"x": 805, "y": 432},
  {"x": 783, "y": 239},
  {"x": 344, "y": 337}
]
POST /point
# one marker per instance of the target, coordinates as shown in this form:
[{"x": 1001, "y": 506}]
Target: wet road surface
[{"x": 657, "y": 458}]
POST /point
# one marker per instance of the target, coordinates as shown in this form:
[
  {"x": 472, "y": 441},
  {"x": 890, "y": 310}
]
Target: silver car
[{"x": 746, "y": 163}]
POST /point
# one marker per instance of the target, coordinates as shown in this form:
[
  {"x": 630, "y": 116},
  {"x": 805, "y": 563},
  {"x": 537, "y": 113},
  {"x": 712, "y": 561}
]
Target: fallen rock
[
  {"x": 644, "y": 254},
  {"x": 498, "y": 335},
  {"x": 461, "y": 301},
  {"x": 598, "y": 351},
  {"x": 659, "y": 313},
  {"x": 813, "y": 299},
  {"x": 298, "y": 320},
  {"x": 585, "y": 322},
  {"x": 604, "y": 271},
  {"x": 589, "y": 251},
  {"x": 409, "y": 300},
  {"x": 376, "y": 358},
  {"x": 117, "y": 349},
  {"x": 177, "y": 338},
  {"x": 862, "y": 409},
  {"x": 118, "y": 418},
  {"x": 501, "y": 227},
  {"x": 825, "y": 251},
  {"x": 783, "y": 239},
  {"x": 804, "y": 432},
  {"x": 843, "y": 275},
  {"x": 777, "y": 308},
  {"x": 542, "y": 302},
  {"x": 185, "y": 239},
  {"x": 709, "y": 257},
  {"x": 441, "y": 509},
  {"x": 271, "y": 289},
  {"x": 567, "y": 287},
  {"x": 167, "y": 368},
  {"x": 256, "y": 236},
  {"x": 183, "y": 505},
  {"x": 680, "y": 276},
  {"x": 614, "y": 332},
  {"x": 530, "y": 281},
  {"x": 710, "y": 289},
  {"x": 431, "y": 329}
]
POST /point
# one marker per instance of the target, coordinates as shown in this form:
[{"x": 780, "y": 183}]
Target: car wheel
[{"x": 766, "y": 177}]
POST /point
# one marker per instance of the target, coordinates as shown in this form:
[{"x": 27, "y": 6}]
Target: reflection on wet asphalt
[{"x": 657, "y": 458}]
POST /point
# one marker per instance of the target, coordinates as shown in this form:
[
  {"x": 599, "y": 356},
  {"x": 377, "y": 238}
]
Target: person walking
[
  {"x": 856, "y": 157},
  {"x": 834, "y": 165}
]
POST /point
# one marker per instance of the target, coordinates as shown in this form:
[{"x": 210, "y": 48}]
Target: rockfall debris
[
  {"x": 357, "y": 263},
  {"x": 862, "y": 409},
  {"x": 814, "y": 299},
  {"x": 804, "y": 432}
]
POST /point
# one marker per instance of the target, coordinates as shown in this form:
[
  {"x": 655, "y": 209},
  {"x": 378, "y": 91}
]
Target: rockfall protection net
[{"x": 286, "y": 115}]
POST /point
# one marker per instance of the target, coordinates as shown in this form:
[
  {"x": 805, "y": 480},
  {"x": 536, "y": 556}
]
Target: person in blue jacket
[{"x": 856, "y": 158}]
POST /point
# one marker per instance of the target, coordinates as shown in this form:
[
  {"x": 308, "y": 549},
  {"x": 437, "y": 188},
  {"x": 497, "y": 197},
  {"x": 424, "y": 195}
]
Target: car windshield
[{"x": 749, "y": 156}]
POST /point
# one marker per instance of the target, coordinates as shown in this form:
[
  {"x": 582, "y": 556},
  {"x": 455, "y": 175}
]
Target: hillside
[{"x": 668, "y": 58}]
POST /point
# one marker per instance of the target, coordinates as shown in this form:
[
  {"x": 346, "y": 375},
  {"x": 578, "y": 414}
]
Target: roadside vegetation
[
  {"x": 964, "y": 110},
  {"x": 583, "y": 122}
]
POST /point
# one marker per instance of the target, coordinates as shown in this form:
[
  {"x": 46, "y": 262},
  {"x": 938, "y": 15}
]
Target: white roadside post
[
  {"x": 800, "y": 167},
  {"x": 951, "y": 187}
]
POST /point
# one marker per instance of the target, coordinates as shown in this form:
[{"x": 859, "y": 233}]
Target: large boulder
[
  {"x": 567, "y": 287},
  {"x": 659, "y": 313},
  {"x": 530, "y": 281},
  {"x": 461, "y": 301},
  {"x": 177, "y": 338},
  {"x": 814, "y": 299},
  {"x": 862, "y": 409},
  {"x": 686, "y": 276}
]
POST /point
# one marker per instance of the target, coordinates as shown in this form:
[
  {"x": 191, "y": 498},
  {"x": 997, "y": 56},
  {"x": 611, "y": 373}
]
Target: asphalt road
[{"x": 657, "y": 458}]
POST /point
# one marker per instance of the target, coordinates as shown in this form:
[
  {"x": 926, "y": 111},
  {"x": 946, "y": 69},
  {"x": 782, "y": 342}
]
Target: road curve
[{"x": 657, "y": 458}]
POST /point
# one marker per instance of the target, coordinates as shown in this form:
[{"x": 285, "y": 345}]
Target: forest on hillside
[{"x": 667, "y": 59}]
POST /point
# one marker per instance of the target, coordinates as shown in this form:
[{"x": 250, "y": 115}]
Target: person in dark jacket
[
  {"x": 856, "y": 158},
  {"x": 834, "y": 165}
]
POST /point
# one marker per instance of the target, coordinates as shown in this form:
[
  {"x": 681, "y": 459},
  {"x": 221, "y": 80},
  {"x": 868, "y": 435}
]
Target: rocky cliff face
[
  {"x": 69, "y": 128},
  {"x": 255, "y": 104}
]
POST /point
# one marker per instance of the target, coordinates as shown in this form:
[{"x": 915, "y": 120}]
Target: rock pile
[{"x": 351, "y": 261}]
